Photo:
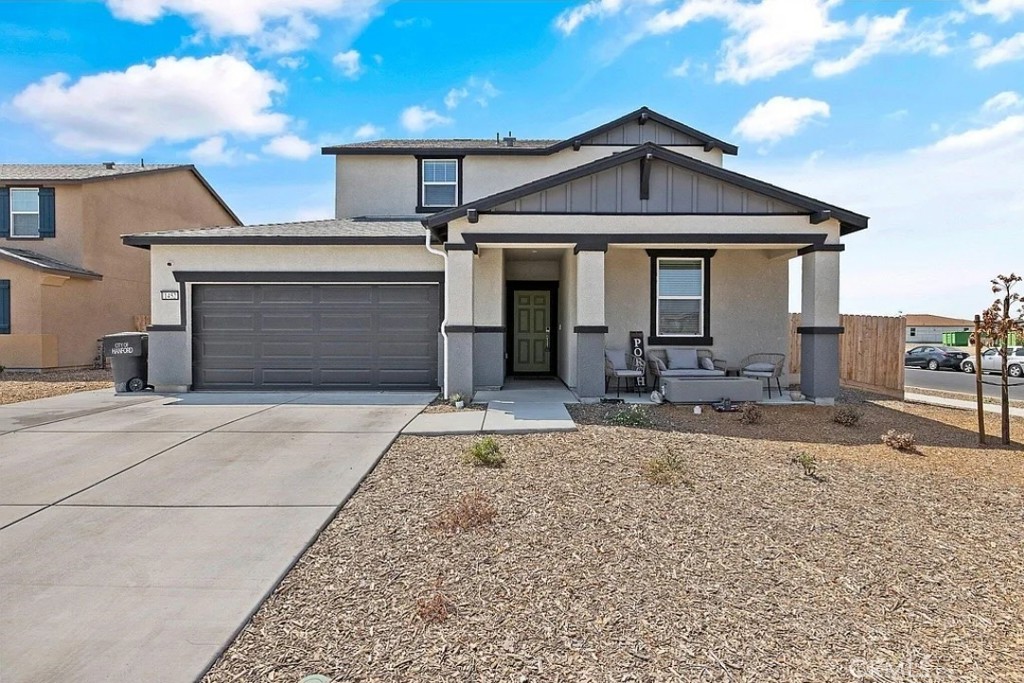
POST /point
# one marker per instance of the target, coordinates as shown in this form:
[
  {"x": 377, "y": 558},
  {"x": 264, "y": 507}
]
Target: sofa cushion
[
  {"x": 682, "y": 359},
  {"x": 693, "y": 372},
  {"x": 617, "y": 357},
  {"x": 760, "y": 367},
  {"x": 707, "y": 364}
]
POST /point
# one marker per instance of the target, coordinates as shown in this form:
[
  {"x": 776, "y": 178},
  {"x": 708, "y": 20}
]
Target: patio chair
[
  {"x": 617, "y": 365},
  {"x": 764, "y": 366}
]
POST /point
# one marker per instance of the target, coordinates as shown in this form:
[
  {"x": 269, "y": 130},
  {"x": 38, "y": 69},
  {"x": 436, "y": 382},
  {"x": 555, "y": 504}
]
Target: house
[
  {"x": 537, "y": 255},
  {"x": 925, "y": 328},
  {"x": 65, "y": 277}
]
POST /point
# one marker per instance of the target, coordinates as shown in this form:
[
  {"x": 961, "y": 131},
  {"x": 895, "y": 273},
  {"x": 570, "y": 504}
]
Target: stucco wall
[
  {"x": 71, "y": 308},
  {"x": 567, "y": 319},
  {"x": 385, "y": 185},
  {"x": 26, "y": 346},
  {"x": 489, "y": 288},
  {"x": 533, "y": 270},
  {"x": 749, "y": 300}
]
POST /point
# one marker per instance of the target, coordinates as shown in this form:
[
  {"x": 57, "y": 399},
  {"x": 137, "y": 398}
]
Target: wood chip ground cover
[
  {"x": 26, "y": 386},
  {"x": 893, "y": 567}
]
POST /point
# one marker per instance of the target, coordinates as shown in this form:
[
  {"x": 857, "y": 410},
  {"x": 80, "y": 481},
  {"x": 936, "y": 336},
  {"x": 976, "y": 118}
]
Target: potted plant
[{"x": 458, "y": 401}]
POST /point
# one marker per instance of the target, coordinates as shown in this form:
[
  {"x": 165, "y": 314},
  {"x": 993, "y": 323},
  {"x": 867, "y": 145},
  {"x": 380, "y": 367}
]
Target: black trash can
[{"x": 129, "y": 359}]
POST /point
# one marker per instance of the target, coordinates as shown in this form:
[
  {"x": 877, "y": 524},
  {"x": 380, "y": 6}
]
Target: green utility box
[{"x": 956, "y": 338}]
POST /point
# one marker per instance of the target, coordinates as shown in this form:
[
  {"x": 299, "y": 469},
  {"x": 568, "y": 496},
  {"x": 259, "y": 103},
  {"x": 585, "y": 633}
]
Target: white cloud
[
  {"x": 173, "y": 100},
  {"x": 780, "y": 117},
  {"x": 349, "y": 63},
  {"x": 417, "y": 119},
  {"x": 367, "y": 131},
  {"x": 213, "y": 152},
  {"x": 291, "y": 62},
  {"x": 1006, "y": 50},
  {"x": 1008, "y": 130},
  {"x": 1002, "y": 10},
  {"x": 569, "y": 20},
  {"x": 290, "y": 147},
  {"x": 1007, "y": 99},
  {"x": 273, "y": 26},
  {"x": 879, "y": 33},
  {"x": 979, "y": 40},
  {"x": 454, "y": 97},
  {"x": 682, "y": 70}
]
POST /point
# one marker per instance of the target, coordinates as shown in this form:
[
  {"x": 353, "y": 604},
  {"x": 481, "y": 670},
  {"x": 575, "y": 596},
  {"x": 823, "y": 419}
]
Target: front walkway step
[
  {"x": 442, "y": 424},
  {"x": 518, "y": 416}
]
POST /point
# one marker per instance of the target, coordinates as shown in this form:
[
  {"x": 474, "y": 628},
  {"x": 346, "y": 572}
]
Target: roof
[
  {"x": 42, "y": 262},
  {"x": 929, "y": 320},
  {"x": 849, "y": 221},
  {"x": 85, "y": 173},
  {"x": 352, "y": 231},
  {"x": 524, "y": 146},
  {"x": 75, "y": 172}
]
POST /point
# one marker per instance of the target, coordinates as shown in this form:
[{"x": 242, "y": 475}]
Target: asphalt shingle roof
[
  {"x": 454, "y": 144},
  {"x": 39, "y": 261},
  {"x": 57, "y": 172},
  {"x": 354, "y": 230}
]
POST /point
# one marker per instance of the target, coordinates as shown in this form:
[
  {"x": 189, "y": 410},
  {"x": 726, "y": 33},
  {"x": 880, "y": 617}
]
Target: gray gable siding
[
  {"x": 673, "y": 190},
  {"x": 632, "y": 133}
]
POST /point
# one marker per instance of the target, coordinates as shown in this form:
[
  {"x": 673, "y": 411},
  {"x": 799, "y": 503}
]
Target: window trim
[
  {"x": 702, "y": 339},
  {"x": 420, "y": 206},
  {"x": 38, "y": 213},
  {"x": 5, "y": 324}
]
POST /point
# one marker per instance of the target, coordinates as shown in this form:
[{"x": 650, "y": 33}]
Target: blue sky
[{"x": 911, "y": 112}]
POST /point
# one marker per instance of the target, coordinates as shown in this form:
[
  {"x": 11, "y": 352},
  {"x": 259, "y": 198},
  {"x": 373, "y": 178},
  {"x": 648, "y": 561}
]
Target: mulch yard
[
  {"x": 25, "y": 386},
  {"x": 737, "y": 566}
]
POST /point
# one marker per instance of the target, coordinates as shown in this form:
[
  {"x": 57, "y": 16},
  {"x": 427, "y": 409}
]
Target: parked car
[
  {"x": 992, "y": 362},
  {"x": 934, "y": 357}
]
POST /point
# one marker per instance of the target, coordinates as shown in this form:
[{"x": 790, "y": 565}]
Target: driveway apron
[{"x": 138, "y": 534}]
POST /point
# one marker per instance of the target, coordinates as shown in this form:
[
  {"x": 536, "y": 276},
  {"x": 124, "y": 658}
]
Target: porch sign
[{"x": 636, "y": 350}]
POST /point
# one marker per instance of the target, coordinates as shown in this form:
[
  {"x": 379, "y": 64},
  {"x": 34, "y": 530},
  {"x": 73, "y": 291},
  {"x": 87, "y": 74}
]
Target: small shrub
[
  {"x": 472, "y": 511},
  {"x": 751, "y": 414},
  {"x": 455, "y": 398},
  {"x": 666, "y": 470},
  {"x": 485, "y": 453},
  {"x": 635, "y": 415},
  {"x": 436, "y": 607},
  {"x": 848, "y": 416},
  {"x": 808, "y": 463},
  {"x": 900, "y": 441}
]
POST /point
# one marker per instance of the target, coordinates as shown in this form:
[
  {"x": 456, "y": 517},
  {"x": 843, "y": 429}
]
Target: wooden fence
[{"x": 871, "y": 352}]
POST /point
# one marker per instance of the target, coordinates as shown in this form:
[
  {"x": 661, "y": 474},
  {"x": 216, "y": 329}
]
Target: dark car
[{"x": 934, "y": 357}]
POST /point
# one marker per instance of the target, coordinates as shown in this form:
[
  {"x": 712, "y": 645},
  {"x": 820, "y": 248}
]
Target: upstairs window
[
  {"x": 25, "y": 212},
  {"x": 440, "y": 183}
]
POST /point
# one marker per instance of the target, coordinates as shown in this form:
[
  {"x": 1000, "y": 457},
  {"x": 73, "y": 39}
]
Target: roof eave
[{"x": 146, "y": 241}]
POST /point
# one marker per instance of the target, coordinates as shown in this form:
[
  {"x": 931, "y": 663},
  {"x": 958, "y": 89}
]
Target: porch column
[
  {"x": 820, "y": 323},
  {"x": 591, "y": 325},
  {"x": 458, "y": 308}
]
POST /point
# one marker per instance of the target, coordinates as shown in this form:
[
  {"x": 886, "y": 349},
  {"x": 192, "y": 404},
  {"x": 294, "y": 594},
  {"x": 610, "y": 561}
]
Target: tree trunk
[{"x": 1005, "y": 389}]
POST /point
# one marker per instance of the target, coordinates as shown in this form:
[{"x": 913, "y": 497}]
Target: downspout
[{"x": 444, "y": 322}]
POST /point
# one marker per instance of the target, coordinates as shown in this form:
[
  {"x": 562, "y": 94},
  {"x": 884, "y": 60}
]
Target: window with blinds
[
  {"x": 440, "y": 182},
  {"x": 680, "y": 303}
]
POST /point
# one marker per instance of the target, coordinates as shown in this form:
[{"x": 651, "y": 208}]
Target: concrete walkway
[
  {"x": 960, "y": 404},
  {"x": 139, "y": 533}
]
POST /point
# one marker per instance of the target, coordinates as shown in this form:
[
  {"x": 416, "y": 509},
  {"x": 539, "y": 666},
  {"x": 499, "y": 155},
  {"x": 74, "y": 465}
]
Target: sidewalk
[{"x": 959, "y": 404}]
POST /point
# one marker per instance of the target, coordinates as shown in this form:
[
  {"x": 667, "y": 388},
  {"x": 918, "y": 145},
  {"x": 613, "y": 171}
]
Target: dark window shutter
[
  {"x": 47, "y": 212},
  {"x": 5, "y": 212},
  {"x": 5, "y": 306}
]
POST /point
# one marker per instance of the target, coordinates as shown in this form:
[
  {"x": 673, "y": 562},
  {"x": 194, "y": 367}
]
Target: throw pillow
[
  {"x": 682, "y": 359},
  {"x": 707, "y": 363},
  {"x": 760, "y": 367},
  {"x": 617, "y": 357}
]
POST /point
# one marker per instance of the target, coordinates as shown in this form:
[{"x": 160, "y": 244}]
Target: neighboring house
[
  {"x": 541, "y": 254},
  {"x": 925, "y": 328},
  {"x": 65, "y": 277}
]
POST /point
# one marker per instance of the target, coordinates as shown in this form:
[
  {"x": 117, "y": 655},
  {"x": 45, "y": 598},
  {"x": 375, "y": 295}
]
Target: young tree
[{"x": 998, "y": 322}]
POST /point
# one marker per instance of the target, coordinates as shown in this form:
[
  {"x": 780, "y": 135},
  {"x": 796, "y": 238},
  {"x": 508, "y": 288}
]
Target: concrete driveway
[{"x": 139, "y": 533}]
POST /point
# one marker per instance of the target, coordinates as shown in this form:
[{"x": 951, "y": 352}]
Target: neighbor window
[
  {"x": 24, "y": 212},
  {"x": 680, "y": 297},
  {"x": 440, "y": 186},
  {"x": 5, "y": 306}
]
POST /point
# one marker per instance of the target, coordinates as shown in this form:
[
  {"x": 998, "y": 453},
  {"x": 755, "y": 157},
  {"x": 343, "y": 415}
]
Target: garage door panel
[{"x": 315, "y": 336}]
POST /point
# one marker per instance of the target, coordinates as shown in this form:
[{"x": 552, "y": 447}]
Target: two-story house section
[
  {"x": 66, "y": 279},
  {"x": 459, "y": 263}
]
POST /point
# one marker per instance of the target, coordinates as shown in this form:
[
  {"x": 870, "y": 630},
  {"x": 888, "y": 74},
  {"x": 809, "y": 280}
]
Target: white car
[{"x": 991, "y": 361}]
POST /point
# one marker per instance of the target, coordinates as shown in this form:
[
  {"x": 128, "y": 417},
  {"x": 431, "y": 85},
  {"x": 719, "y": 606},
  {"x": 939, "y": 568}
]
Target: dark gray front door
[
  {"x": 314, "y": 336},
  {"x": 531, "y": 342}
]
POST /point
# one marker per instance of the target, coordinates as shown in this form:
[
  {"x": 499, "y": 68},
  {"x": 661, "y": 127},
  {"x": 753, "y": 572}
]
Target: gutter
[{"x": 444, "y": 322}]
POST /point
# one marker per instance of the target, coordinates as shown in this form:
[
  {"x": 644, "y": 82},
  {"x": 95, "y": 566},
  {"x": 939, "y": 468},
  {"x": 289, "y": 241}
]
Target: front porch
[{"x": 530, "y": 310}]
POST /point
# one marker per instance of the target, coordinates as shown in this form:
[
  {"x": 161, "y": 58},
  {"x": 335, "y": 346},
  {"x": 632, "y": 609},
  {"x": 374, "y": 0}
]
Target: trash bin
[{"x": 129, "y": 359}]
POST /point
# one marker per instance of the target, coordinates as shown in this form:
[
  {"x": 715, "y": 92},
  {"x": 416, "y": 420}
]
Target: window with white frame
[
  {"x": 680, "y": 300},
  {"x": 440, "y": 182},
  {"x": 24, "y": 212}
]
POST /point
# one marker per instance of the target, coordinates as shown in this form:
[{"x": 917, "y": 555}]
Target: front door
[{"x": 531, "y": 333}]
